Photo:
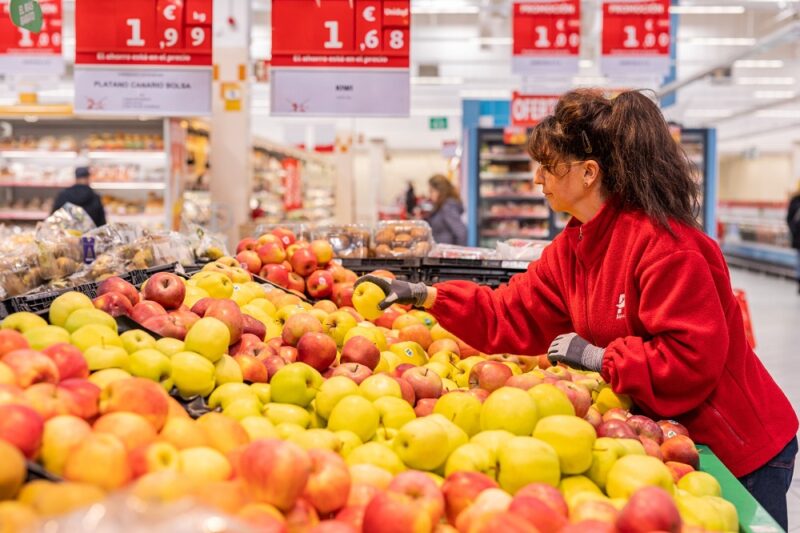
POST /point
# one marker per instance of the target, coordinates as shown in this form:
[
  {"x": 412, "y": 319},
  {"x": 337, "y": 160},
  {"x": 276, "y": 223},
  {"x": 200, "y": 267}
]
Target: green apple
[
  {"x": 385, "y": 436},
  {"x": 630, "y": 447},
  {"x": 242, "y": 408},
  {"x": 633, "y": 472},
  {"x": 388, "y": 362},
  {"x": 263, "y": 392},
  {"x": 373, "y": 453},
  {"x": 550, "y": 400},
  {"x": 576, "y": 488},
  {"x": 41, "y": 337},
  {"x": 192, "y": 374},
  {"x": 317, "y": 439},
  {"x": 227, "y": 393},
  {"x": 102, "y": 357},
  {"x": 525, "y": 460},
  {"x": 420, "y": 444},
  {"x": 492, "y": 440},
  {"x": 209, "y": 337},
  {"x": 23, "y": 321},
  {"x": 448, "y": 385},
  {"x": 379, "y": 385},
  {"x": 216, "y": 284},
  {"x": 317, "y": 422},
  {"x": 455, "y": 435},
  {"x": 337, "y": 324},
  {"x": 497, "y": 414},
  {"x": 295, "y": 383},
  {"x": 372, "y": 333},
  {"x": 331, "y": 391},
  {"x": 136, "y": 339},
  {"x": 65, "y": 304},
  {"x": 471, "y": 457},
  {"x": 349, "y": 442},
  {"x": 447, "y": 357},
  {"x": 572, "y": 438},
  {"x": 443, "y": 370},
  {"x": 94, "y": 335},
  {"x": 103, "y": 378},
  {"x": 355, "y": 414},
  {"x": 265, "y": 305},
  {"x": 287, "y": 413},
  {"x": 150, "y": 364},
  {"x": 465, "y": 367},
  {"x": 463, "y": 409},
  {"x": 409, "y": 352},
  {"x": 605, "y": 453},
  {"x": 366, "y": 298},
  {"x": 286, "y": 430},
  {"x": 83, "y": 317},
  {"x": 700, "y": 484},
  {"x": 394, "y": 412},
  {"x": 258, "y": 427},
  {"x": 228, "y": 370},
  {"x": 169, "y": 346}
]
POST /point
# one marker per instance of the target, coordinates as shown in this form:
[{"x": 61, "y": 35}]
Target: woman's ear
[{"x": 591, "y": 173}]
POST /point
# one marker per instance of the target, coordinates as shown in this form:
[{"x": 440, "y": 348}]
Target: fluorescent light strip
[
  {"x": 721, "y": 41},
  {"x": 708, "y": 113},
  {"x": 779, "y": 113},
  {"x": 758, "y": 63},
  {"x": 706, "y": 10},
  {"x": 774, "y": 95},
  {"x": 784, "y": 80}
]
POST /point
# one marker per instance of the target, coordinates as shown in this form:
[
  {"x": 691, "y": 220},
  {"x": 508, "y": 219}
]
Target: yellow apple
[
  {"x": 204, "y": 465},
  {"x": 632, "y": 472},
  {"x": 65, "y": 304},
  {"x": 366, "y": 298},
  {"x": 572, "y": 438}
]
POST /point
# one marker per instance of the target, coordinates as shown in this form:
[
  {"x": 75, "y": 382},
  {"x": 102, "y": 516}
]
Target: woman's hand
[
  {"x": 401, "y": 292},
  {"x": 575, "y": 351}
]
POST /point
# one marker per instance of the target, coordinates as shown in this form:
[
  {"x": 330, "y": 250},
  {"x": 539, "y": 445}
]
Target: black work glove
[
  {"x": 575, "y": 351},
  {"x": 397, "y": 292}
]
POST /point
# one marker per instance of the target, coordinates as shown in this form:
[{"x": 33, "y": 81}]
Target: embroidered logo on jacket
[{"x": 621, "y": 307}]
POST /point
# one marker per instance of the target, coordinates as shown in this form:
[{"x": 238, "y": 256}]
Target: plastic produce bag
[
  {"x": 451, "y": 251},
  {"x": 521, "y": 249},
  {"x": 347, "y": 240},
  {"x": 402, "y": 238},
  {"x": 70, "y": 218},
  {"x": 204, "y": 244}
]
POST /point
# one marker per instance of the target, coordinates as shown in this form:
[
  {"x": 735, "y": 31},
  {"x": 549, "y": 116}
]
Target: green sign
[
  {"x": 438, "y": 123},
  {"x": 26, "y": 14}
]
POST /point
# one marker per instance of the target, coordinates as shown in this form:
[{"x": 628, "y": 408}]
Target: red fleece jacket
[{"x": 663, "y": 308}]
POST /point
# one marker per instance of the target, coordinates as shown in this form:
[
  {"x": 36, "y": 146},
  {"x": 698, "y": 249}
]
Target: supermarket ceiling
[{"x": 462, "y": 49}]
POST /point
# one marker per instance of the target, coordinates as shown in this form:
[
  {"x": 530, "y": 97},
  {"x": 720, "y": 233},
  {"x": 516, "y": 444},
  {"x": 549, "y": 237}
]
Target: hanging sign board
[
  {"x": 547, "y": 36},
  {"x": 636, "y": 38},
  {"x": 529, "y": 109},
  {"x": 25, "y": 52},
  {"x": 143, "y": 57},
  {"x": 347, "y": 58}
]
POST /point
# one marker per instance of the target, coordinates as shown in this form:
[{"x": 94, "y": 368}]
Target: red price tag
[
  {"x": 396, "y": 41},
  {"x": 369, "y": 26},
  {"x": 397, "y": 13},
  {"x": 528, "y": 110},
  {"x": 640, "y": 28},
  {"x": 547, "y": 28},
  {"x": 199, "y": 12},
  {"x": 14, "y": 40},
  {"x": 169, "y": 26},
  {"x": 327, "y": 27}
]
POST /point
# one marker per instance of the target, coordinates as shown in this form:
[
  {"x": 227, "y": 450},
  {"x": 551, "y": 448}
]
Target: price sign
[
  {"x": 547, "y": 37},
  {"x": 24, "y": 52},
  {"x": 150, "y": 38},
  {"x": 348, "y": 57},
  {"x": 636, "y": 37},
  {"x": 528, "y": 109}
]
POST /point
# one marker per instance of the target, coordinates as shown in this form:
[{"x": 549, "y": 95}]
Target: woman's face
[
  {"x": 434, "y": 194},
  {"x": 562, "y": 184}
]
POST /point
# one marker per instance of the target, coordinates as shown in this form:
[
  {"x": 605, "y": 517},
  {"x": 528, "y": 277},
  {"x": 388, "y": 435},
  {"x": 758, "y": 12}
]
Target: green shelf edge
[{"x": 752, "y": 517}]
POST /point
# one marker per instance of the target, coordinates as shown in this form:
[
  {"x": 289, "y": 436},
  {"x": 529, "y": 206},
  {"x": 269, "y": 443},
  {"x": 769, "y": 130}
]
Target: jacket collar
[{"x": 590, "y": 240}]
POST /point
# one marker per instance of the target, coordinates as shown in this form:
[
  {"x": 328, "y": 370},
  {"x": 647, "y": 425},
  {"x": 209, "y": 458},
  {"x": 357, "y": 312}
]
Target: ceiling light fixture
[
  {"x": 774, "y": 95},
  {"x": 782, "y": 80},
  {"x": 779, "y": 113},
  {"x": 758, "y": 63},
  {"x": 707, "y": 113},
  {"x": 706, "y": 10}
]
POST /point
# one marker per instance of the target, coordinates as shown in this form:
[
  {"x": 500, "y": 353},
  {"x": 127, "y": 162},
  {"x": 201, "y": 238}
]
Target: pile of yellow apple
[{"x": 324, "y": 421}]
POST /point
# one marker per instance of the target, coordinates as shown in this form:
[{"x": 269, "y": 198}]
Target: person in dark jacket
[
  {"x": 793, "y": 220},
  {"x": 82, "y": 195},
  {"x": 445, "y": 220},
  {"x": 411, "y": 200}
]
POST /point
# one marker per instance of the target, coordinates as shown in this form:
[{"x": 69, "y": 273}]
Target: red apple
[
  {"x": 646, "y": 427},
  {"x": 316, "y": 350},
  {"x": 227, "y": 312},
  {"x": 296, "y": 282},
  {"x": 114, "y": 303},
  {"x": 417, "y": 333},
  {"x": 49, "y": 401},
  {"x": 146, "y": 309},
  {"x": 579, "y": 396},
  {"x": 678, "y": 470},
  {"x": 338, "y": 272},
  {"x": 410, "y": 496},
  {"x": 302, "y": 517},
  {"x": 137, "y": 395},
  {"x": 343, "y": 294},
  {"x": 68, "y": 359},
  {"x": 425, "y": 382},
  {"x": 277, "y": 274},
  {"x": 11, "y": 394},
  {"x": 547, "y": 494},
  {"x": 275, "y": 472},
  {"x": 424, "y": 407},
  {"x": 594, "y": 417},
  {"x": 288, "y": 266},
  {"x": 328, "y": 484},
  {"x": 254, "y": 327},
  {"x": 361, "y": 350},
  {"x": 681, "y": 449},
  {"x": 616, "y": 429},
  {"x": 323, "y": 251},
  {"x": 30, "y": 366},
  {"x": 273, "y": 363},
  {"x": 480, "y": 394},
  {"x": 505, "y": 521},
  {"x": 201, "y": 306},
  {"x": 298, "y": 325},
  {"x": 355, "y": 371},
  {"x": 249, "y": 344},
  {"x": 304, "y": 262},
  {"x": 489, "y": 375},
  {"x": 599, "y": 510},
  {"x": 444, "y": 345},
  {"x": 590, "y": 526},
  {"x": 353, "y": 516},
  {"x": 326, "y": 305},
  {"x": 349, "y": 309},
  {"x": 383, "y": 274},
  {"x": 389, "y": 316},
  {"x": 249, "y": 260},
  {"x": 538, "y": 514},
  {"x": 271, "y": 253},
  {"x": 286, "y": 236},
  {"x": 334, "y": 526},
  {"x": 248, "y": 244},
  {"x": 166, "y": 326},
  {"x": 186, "y": 317},
  {"x": 651, "y": 448},
  {"x": 649, "y": 509},
  {"x": 22, "y": 427},
  {"x": 320, "y": 284},
  {"x": 616, "y": 413},
  {"x": 166, "y": 289},
  {"x": 11, "y": 340},
  {"x": 525, "y": 381},
  {"x": 85, "y": 397},
  {"x": 288, "y": 354},
  {"x": 407, "y": 390},
  {"x": 253, "y": 370},
  {"x": 670, "y": 428},
  {"x": 461, "y": 489},
  {"x": 117, "y": 284}
]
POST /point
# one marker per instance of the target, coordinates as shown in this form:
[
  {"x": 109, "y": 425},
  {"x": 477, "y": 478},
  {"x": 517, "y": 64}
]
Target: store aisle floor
[{"x": 775, "y": 311}]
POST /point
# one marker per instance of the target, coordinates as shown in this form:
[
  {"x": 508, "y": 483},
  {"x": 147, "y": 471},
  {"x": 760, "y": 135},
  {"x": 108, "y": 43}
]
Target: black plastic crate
[
  {"x": 484, "y": 272},
  {"x": 39, "y": 302},
  {"x": 407, "y": 269}
]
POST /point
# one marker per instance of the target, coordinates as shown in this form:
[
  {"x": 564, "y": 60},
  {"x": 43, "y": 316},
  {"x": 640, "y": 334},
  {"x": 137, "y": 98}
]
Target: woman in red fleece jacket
[{"x": 633, "y": 289}]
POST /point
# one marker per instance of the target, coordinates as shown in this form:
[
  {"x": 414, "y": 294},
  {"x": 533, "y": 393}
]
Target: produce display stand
[
  {"x": 432, "y": 270},
  {"x": 752, "y": 517}
]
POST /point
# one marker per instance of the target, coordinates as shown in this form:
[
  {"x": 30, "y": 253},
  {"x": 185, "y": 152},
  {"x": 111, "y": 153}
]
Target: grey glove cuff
[
  {"x": 419, "y": 292},
  {"x": 592, "y": 357}
]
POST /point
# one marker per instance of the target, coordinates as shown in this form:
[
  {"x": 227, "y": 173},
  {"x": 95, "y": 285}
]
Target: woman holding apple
[{"x": 633, "y": 289}]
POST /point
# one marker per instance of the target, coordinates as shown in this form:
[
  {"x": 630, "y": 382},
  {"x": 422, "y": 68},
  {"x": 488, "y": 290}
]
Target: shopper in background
[
  {"x": 445, "y": 220},
  {"x": 632, "y": 289},
  {"x": 82, "y": 195},
  {"x": 411, "y": 200},
  {"x": 793, "y": 220}
]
